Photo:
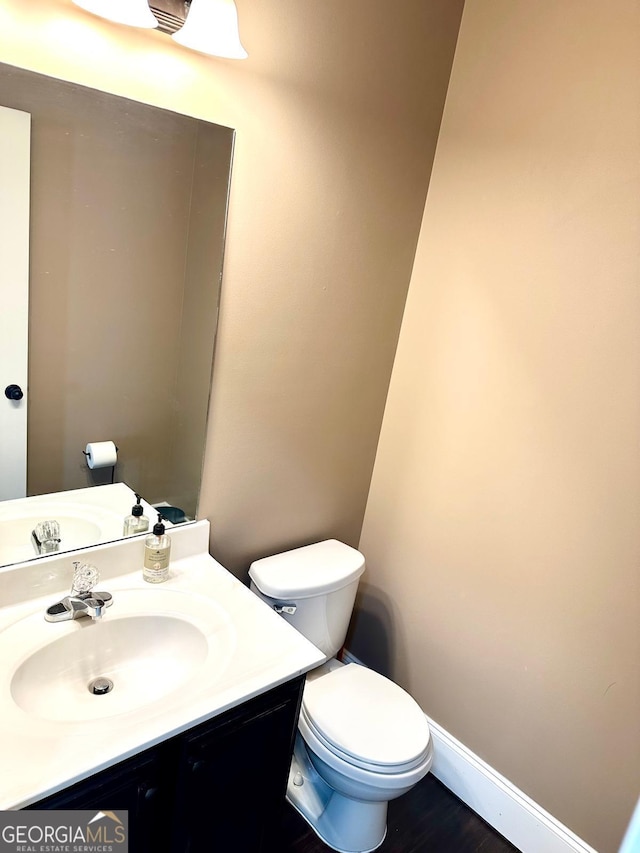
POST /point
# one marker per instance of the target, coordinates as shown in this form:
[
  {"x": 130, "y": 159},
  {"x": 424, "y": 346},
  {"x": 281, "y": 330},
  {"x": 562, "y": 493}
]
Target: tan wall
[
  {"x": 337, "y": 112},
  {"x": 502, "y": 528}
]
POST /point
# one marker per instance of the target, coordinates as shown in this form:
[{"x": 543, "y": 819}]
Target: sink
[
  {"x": 148, "y": 646},
  {"x": 145, "y": 657},
  {"x": 178, "y": 653}
]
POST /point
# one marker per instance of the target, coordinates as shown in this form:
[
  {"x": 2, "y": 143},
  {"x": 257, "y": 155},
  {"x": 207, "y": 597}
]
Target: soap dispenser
[
  {"x": 137, "y": 521},
  {"x": 157, "y": 548}
]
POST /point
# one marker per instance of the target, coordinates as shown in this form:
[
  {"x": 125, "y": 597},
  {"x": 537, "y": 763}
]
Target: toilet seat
[{"x": 365, "y": 719}]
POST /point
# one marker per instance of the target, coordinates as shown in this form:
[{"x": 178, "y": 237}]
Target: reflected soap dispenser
[
  {"x": 137, "y": 521},
  {"x": 157, "y": 549}
]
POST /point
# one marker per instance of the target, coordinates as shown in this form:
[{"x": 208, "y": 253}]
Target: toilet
[{"x": 361, "y": 740}]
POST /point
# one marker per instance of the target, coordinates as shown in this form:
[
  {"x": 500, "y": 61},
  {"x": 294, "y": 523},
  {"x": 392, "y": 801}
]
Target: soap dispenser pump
[
  {"x": 157, "y": 549},
  {"x": 137, "y": 521}
]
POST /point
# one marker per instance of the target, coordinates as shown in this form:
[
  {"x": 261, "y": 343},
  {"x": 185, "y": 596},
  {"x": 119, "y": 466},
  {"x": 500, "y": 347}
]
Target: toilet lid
[{"x": 366, "y": 717}]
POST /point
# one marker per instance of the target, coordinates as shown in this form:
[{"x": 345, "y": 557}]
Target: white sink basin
[
  {"x": 144, "y": 656},
  {"x": 147, "y": 645}
]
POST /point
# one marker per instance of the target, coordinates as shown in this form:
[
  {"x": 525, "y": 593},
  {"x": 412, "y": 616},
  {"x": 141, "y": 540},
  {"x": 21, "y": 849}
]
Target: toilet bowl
[{"x": 362, "y": 740}]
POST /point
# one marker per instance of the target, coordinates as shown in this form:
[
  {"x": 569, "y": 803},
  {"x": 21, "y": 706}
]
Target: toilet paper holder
[{"x": 102, "y": 454}]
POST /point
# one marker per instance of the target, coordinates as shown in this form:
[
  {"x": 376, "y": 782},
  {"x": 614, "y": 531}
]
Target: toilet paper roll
[{"x": 101, "y": 454}]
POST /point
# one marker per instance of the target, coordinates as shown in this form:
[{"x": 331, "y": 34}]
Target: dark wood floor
[{"x": 429, "y": 819}]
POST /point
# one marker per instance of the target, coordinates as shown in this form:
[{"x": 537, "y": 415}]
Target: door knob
[{"x": 13, "y": 392}]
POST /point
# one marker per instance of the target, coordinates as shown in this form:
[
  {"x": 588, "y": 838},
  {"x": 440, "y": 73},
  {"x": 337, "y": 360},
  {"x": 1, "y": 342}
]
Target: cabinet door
[
  {"x": 232, "y": 779},
  {"x": 136, "y": 786}
]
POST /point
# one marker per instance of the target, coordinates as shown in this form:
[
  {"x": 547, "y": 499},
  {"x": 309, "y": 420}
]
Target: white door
[{"x": 15, "y": 156}]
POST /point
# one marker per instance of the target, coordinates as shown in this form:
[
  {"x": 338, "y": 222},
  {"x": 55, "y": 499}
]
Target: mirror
[{"x": 127, "y": 224}]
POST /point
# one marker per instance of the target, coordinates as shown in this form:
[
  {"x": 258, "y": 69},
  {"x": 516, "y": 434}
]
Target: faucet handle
[
  {"x": 47, "y": 531},
  {"x": 85, "y": 577}
]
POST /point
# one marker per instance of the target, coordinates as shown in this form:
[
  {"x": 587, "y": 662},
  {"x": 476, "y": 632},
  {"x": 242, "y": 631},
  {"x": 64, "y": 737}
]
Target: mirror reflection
[{"x": 126, "y": 234}]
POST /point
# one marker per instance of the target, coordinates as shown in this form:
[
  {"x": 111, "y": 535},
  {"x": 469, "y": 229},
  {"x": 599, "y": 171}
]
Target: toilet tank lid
[{"x": 311, "y": 570}]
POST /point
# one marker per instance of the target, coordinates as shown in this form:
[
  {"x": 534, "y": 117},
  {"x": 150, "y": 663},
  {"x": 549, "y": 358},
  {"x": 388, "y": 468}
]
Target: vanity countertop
[{"x": 230, "y": 647}]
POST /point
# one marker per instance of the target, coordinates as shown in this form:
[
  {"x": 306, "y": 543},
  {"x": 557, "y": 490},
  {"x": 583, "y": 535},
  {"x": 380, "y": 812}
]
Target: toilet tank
[{"x": 316, "y": 585}]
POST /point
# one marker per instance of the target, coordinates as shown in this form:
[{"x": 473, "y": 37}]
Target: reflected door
[{"x": 15, "y": 133}]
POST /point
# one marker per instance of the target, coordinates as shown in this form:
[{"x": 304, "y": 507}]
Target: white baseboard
[{"x": 495, "y": 799}]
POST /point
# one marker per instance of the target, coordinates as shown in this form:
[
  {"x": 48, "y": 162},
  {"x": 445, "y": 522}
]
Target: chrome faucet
[
  {"x": 46, "y": 537},
  {"x": 82, "y": 600}
]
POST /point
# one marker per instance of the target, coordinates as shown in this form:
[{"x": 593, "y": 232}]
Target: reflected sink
[
  {"x": 148, "y": 644},
  {"x": 86, "y": 517},
  {"x": 80, "y": 525}
]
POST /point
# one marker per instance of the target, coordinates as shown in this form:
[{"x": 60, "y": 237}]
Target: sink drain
[{"x": 100, "y": 686}]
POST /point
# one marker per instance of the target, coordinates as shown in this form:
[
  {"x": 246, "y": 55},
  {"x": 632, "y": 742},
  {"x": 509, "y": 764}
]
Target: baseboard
[{"x": 495, "y": 799}]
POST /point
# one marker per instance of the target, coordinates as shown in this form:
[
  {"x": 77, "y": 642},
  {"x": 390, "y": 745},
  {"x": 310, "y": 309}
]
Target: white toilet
[{"x": 362, "y": 740}]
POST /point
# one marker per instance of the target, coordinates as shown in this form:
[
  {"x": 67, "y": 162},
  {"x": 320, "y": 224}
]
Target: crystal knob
[{"x": 85, "y": 577}]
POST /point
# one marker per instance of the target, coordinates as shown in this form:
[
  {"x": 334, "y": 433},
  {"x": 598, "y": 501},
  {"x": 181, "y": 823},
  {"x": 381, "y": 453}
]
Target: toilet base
[{"x": 344, "y": 824}]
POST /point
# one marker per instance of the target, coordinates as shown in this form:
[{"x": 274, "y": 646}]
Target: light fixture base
[{"x": 170, "y": 14}]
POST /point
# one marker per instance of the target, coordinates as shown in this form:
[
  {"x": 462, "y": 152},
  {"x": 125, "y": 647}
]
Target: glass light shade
[
  {"x": 135, "y": 13},
  {"x": 212, "y": 27}
]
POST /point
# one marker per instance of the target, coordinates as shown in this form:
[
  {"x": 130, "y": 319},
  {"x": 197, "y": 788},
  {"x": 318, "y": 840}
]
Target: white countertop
[{"x": 254, "y": 650}]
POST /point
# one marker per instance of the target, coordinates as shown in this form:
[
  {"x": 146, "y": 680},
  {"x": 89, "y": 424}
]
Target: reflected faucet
[
  {"x": 46, "y": 537},
  {"x": 82, "y": 600}
]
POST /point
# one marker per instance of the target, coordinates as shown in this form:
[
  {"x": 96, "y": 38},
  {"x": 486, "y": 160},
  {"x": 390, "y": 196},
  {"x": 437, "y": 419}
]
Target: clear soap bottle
[
  {"x": 137, "y": 521},
  {"x": 157, "y": 550}
]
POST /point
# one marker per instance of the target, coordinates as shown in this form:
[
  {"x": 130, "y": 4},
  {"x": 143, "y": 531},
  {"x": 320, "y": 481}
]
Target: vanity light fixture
[{"x": 208, "y": 26}]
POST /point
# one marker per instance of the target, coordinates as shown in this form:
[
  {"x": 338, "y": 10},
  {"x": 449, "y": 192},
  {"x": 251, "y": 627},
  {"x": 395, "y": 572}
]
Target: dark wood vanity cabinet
[
  {"x": 219, "y": 786},
  {"x": 138, "y": 785}
]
